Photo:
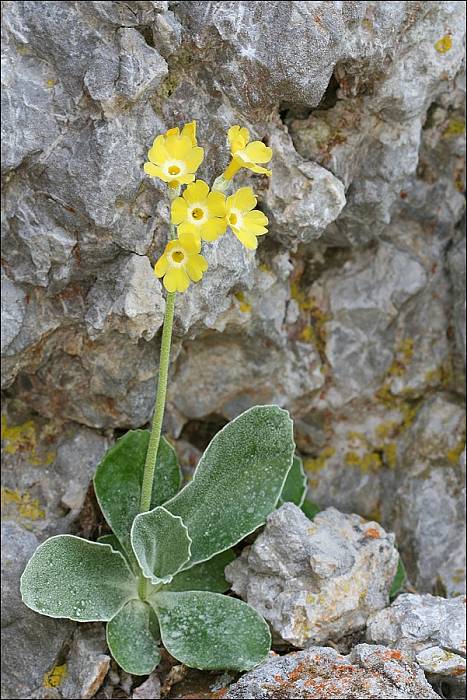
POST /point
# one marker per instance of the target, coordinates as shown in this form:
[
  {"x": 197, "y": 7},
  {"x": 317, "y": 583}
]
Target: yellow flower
[
  {"x": 245, "y": 221},
  {"x": 181, "y": 263},
  {"x": 174, "y": 156},
  {"x": 200, "y": 212},
  {"x": 245, "y": 154}
]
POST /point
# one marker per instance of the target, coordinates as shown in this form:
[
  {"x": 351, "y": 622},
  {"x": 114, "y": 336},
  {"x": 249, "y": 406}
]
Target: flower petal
[
  {"x": 190, "y": 131},
  {"x": 194, "y": 158},
  {"x": 187, "y": 227},
  {"x": 245, "y": 199},
  {"x": 196, "y": 192},
  {"x": 195, "y": 267},
  {"x": 258, "y": 152},
  {"x": 183, "y": 281},
  {"x": 246, "y": 238},
  {"x": 189, "y": 241},
  {"x": 158, "y": 152},
  {"x": 155, "y": 171},
  {"x": 216, "y": 204},
  {"x": 256, "y": 217},
  {"x": 160, "y": 268},
  {"x": 185, "y": 179},
  {"x": 237, "y": 137},
  {"x": 178, "y": 146},
  {"x": 258, "y": 169},
  {"x": 212, "y": 229},
  {"x": 178, "y": 211}
]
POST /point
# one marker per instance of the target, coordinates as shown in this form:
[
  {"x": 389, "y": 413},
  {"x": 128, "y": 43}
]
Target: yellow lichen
[
  {"x": 390, "y": 455},
  {"x": 51, "y": 83},
  {"x": 318, "y": 463},
  {"x": 55, "y": 677},
  {"x": 307, "y": 334},
  {"x": 23, "y": 439},
  {"x": 456, "y": 127},
  {"x": 370, "y": 461},
  {"x": 444, "y": 44},
  {"x": 26, "y": 506},
  {"x": 454, "y": 454},
  {"x": 243, "y": 305}
]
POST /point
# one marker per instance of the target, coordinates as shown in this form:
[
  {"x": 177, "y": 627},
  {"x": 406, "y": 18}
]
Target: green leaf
[
  {"x": 71, "y": 577},
  {"x": 161, "y": 544},
  {"x": 310, "y": 509},
  {"x": 210, "y": 631},
  {"x": 295, "y": 486},
  {"x": 207, "y": 576},
  {"x": 119, "y": 477},
  {"x": 237, "y": 482},
  {"x": 117, "y": 546},
  {"x": 133, "y": 637},
  {"x": 399, "y": 580}
]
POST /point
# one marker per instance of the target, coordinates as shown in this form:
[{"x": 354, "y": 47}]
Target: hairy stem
[{"x": 156, "y": 428}]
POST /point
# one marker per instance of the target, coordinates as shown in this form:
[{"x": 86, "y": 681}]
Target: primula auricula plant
[{"x": 159, "y": 577}]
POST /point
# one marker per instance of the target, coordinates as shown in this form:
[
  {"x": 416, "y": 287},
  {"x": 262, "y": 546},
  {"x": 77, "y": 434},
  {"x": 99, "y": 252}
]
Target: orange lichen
[{"x": 373, "y": 533}]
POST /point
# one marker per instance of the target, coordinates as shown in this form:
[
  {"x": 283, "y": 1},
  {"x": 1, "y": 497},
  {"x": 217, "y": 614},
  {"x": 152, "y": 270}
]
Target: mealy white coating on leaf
[
  {"x": 132, "y": 638},
  {"x": 70, "y": 577},
  {"x": 161, "y": 544},
  {"x": 211, "y": 631},
  {"x": 238, "y": 481},
  {"x": 205, "y": 576},
  {"x": 296, "y": 484},
  {"x": 119, "y": 476}
]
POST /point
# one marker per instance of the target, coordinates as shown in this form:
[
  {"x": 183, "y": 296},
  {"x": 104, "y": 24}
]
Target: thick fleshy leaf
[
  {"x": 119, "y": 476},
  {"x": 71, "y": 577},
  {"x": 237, "y": 482},
  {"x": 161, "y": 544},
  {"x": 295, "y": 486},
  {"x": 210, "y": 631},
  {"x": 310, "y": 509},
  {"x": 133, "y": 638},
  {"x": 399, "y": 580},
  {"x": 207, "y": 576}
]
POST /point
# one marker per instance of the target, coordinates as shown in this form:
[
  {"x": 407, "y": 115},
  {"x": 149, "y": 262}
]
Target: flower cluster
[{"x": 202, "y": 213}]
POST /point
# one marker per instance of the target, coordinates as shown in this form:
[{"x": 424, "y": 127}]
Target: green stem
[{"x": 151, "y": 456}]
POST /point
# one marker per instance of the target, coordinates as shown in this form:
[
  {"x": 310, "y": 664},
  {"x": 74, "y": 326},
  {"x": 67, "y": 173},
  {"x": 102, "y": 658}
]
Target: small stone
[
  {"x": 87, "y": 662},
  {"x": 151, "y": 689},
  {"x": 316, "y": 581},
  {"x": 429, "y": 628},
  {"x": 321, "y": 672}
]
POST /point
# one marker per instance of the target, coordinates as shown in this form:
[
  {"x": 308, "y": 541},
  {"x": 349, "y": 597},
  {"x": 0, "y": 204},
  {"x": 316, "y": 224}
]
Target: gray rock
[
  {"x": 428, "y": 501},
  {"x": 430, "y": 629},
  {"x": 151, "y": 688},
  {"x": 316, "y": 581},
  {"x": 141, "y": 67},
  {"x": 321, "y": 672},
  {"x": 31, "y": 643},
  {"x": 456, "y": 260},
  {"x": 87, "y": 662},
  {"x": 47, "y": 468}
]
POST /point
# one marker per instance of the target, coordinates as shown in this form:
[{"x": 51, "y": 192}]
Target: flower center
[
  {"x": 174, "y": 170},
  {"x": 178, "y": 256},
  {"x": 197, "y": 213},
  {"x": 233, "y": 219}
]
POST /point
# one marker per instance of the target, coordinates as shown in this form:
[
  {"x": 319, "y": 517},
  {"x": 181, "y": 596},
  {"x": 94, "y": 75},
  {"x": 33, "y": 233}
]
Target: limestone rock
[
  {"x": 30, "y": 642},
  {"x": 321, "y": 672},
  {"x": 428, "y": 502},
  {"x": 430, "y": 629},
  {"x": 315, "y": 581},
  {"x": 87, "y": 662}
]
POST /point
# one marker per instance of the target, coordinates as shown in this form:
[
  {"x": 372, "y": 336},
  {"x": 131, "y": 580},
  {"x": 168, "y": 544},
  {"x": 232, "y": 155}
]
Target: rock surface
[
  {"x": 321, "y": 672},
  {"x": 351, "y": 312},
  {"x": 430, "y": 629},
  {"x": 316, "y": 581},
  {"x": 31, "y": 643}
]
